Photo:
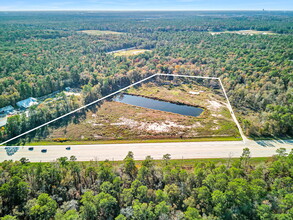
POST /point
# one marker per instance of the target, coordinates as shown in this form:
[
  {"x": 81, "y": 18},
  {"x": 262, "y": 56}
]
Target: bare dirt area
[
  {"x": 115, "y": 120},
  {"x": 244, "y": 32}
]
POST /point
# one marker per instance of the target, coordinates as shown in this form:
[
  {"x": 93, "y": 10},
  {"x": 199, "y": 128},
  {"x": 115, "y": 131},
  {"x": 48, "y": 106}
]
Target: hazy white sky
[{"x": 10, "y": 5}]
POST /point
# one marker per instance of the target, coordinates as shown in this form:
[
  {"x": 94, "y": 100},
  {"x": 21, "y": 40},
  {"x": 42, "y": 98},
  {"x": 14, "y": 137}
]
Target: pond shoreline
[{"x": 204, "y": 114}]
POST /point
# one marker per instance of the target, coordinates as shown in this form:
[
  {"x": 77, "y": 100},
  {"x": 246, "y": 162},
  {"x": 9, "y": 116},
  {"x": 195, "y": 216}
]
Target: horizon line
[{"x": 148, "y": 10}]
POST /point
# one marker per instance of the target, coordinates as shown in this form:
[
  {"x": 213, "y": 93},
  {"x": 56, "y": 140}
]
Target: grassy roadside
[
  {"x": 184, "y": 163},
  {"x": 203, "y": 139},
  {"x": 190, "y": 163}
]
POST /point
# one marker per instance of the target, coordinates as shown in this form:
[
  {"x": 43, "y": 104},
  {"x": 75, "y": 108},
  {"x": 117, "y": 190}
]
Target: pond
[{"x": 158, "y": 105}]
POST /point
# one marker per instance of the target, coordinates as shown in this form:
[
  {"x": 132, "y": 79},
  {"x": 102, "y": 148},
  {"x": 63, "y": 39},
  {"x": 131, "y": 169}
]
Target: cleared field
[
  {"x": 118, "y": 121},
  {"x": 98, "y": 32},
  {"x": 245, "y": 32},
  {"x": 130, "y": 52}
]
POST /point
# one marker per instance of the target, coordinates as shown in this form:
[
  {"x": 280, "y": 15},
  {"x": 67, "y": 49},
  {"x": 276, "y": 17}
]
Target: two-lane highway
[{"x": 186, "y": 150}]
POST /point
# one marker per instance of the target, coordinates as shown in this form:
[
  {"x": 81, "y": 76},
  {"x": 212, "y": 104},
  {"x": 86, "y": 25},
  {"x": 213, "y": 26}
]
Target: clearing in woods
[
  {"x": 118, "y": 121},
  {"x": 99, "y": 32},
  {"x": 130, "y": 52},
  {"x": 244, "y": 32}
]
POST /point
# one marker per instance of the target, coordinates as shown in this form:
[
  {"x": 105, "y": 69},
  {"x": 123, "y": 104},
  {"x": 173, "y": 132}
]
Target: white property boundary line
[
  {"x": 244, "y": 138},
  {"x": 76, "y": 110},
  {"x": 228, "y": 102},
  {"x": 120, "y": 90}
]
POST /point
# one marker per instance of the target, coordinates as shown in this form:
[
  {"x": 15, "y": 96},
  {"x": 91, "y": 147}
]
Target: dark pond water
[{"x": 158, "y": 105}]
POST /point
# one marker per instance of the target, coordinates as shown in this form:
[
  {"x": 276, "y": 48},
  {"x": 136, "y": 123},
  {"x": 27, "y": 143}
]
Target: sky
[{"x": 26, "y": 5}]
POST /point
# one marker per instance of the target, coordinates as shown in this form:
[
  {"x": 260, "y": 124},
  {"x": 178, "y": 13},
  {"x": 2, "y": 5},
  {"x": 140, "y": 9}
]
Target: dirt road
[{"x": 220, "y": 149}]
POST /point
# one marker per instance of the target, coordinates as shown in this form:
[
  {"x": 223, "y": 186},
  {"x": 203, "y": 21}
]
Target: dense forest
[
  {"x": 231, "y": 189},
  {"x": 41, "y": 53}
]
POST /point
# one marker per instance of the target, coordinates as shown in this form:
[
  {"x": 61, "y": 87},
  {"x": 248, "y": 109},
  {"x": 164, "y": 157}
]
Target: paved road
[{"x": 221, "y": 149}]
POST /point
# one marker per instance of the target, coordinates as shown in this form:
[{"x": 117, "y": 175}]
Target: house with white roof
[{"x": 24, "y": 104}]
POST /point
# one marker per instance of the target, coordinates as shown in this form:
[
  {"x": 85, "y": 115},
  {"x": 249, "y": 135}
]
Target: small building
[
  {"x": 194, "y": 93},
  {"x": 6, "y": 110},
  {"x": 24, "y": 104}
]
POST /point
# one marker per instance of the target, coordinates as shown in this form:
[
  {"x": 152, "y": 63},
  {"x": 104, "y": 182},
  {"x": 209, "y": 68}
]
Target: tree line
[{"x": 165, "y": 189}]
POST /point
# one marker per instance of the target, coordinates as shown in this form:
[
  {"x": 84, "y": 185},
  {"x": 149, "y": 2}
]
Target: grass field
[
  {"x": 130, "y": 52},
  {"x": 98, "y": 32}
]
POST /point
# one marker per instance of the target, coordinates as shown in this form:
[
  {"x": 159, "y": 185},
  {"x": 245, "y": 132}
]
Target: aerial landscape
[{"x": 127, "y": 110}]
